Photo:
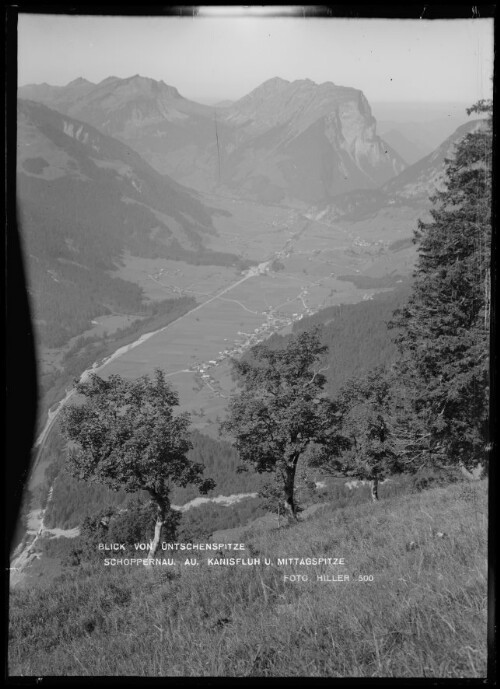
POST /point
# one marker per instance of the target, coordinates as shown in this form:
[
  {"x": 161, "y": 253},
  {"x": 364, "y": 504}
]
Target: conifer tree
[{"x": 443, "y": 334}]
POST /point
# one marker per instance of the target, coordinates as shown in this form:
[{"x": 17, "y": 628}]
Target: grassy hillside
[{"x": 423, "y": 615}]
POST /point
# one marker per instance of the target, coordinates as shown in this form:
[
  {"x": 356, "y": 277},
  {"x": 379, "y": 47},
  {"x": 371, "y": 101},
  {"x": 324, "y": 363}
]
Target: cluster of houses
[
  {"x": 360, "y": 245},
  {"x": 274, "y": 322}
]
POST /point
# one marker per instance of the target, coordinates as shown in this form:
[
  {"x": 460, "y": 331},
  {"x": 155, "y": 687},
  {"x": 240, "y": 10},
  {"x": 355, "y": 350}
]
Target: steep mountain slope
[
  {"x": 419, "y": 139},
  {"x": 421, "y": 179},
  {"x": 306, "y": 140},
  {"x": 409, "y": 150},
  {"x": 283, "y": 141},
  {"x": 412, "y": 187},
  {"x": 83, "y": 199}
]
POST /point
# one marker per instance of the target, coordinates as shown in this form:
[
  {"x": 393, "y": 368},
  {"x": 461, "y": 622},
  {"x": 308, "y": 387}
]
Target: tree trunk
[
  {"x": 161, "y": 513},
  {"x": 374, "y": 489},
  {"x": 290, "y": 508}
]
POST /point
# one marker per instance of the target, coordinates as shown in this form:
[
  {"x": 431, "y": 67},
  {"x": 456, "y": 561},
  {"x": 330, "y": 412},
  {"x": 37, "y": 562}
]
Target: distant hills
[
  {"x": 420, "y": 180},
  {"x": 415, "y": 140},
  {"x": 416, "y": 128},
  {"x": 282, "y": 142}
]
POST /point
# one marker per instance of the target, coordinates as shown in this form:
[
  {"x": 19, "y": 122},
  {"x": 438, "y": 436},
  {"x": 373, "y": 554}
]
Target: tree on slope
[
  {"x": 369, "y": 450},
  {"x": 127, "y": 437},
  {"x": 443, "y": 334},
  {"x": 280, "y": 410}
]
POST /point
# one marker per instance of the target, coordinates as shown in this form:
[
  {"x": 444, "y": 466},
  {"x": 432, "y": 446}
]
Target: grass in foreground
[{"x": 423, "y": 615}]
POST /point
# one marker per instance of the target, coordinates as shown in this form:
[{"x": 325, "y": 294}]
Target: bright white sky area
[{"x": 209, "y": 59}]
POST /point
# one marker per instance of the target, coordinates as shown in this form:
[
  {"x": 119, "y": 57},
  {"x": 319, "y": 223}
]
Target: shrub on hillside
[{"x": 434, "y": 478}]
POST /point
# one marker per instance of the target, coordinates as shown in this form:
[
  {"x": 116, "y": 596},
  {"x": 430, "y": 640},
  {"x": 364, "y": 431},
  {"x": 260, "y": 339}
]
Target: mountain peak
[
  {"x": 275, "y": 81},
  {"x": 108, "y": 80},
  {"x": 273, "y": 84},
  {"x": 327, "y": 85},
  {"x": 268, "y": 87},
  {"x": 146, "y": 85},
  {"x": 80, "y": 81}
]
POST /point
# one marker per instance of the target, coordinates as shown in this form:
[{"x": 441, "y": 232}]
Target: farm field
[
  {"x": 164, "y": 279},
  {"x": 304, "y": 266},
  {"x": 254, "y": 231}
]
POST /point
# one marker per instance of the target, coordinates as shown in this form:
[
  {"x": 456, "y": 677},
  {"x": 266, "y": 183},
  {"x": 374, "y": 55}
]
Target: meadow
[
  {"x": 415, "y": 604},
  {"x": 315, "y": 260}
]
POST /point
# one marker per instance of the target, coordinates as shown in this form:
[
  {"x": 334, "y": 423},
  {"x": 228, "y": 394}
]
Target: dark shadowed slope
[{"x": 84, "y": 198}]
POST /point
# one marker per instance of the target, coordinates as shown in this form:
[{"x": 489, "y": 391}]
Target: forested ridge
[
  {"x": 356, "y": 335},
  {"x": 72, "y": 253}
]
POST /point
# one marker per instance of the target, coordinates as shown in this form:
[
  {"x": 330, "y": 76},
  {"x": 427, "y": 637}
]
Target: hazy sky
[{"x": 210, "y": 59}]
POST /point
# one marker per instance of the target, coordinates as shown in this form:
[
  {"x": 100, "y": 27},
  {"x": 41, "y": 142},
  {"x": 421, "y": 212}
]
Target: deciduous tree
[
  {"x": 280, "y": 409},
  {"x": 370, "y": 445},
  {"x": 126, "y": 436}
]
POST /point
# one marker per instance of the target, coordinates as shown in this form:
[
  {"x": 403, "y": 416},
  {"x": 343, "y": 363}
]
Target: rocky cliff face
[
  {"x": 284, "y": 141},
  {"x": 306, "y": 141},
  {"x": 413, "y": 187}
]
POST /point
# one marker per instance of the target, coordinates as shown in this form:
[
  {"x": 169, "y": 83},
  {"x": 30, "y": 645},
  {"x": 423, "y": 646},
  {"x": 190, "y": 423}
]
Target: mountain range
[
  {"x": 284, "y": 142},
  {"x": 84, "y": 198},
  {"x": 92, "y": 178}
]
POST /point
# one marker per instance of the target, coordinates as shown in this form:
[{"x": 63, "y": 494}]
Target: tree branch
[{"x": 321, "y": 370}]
